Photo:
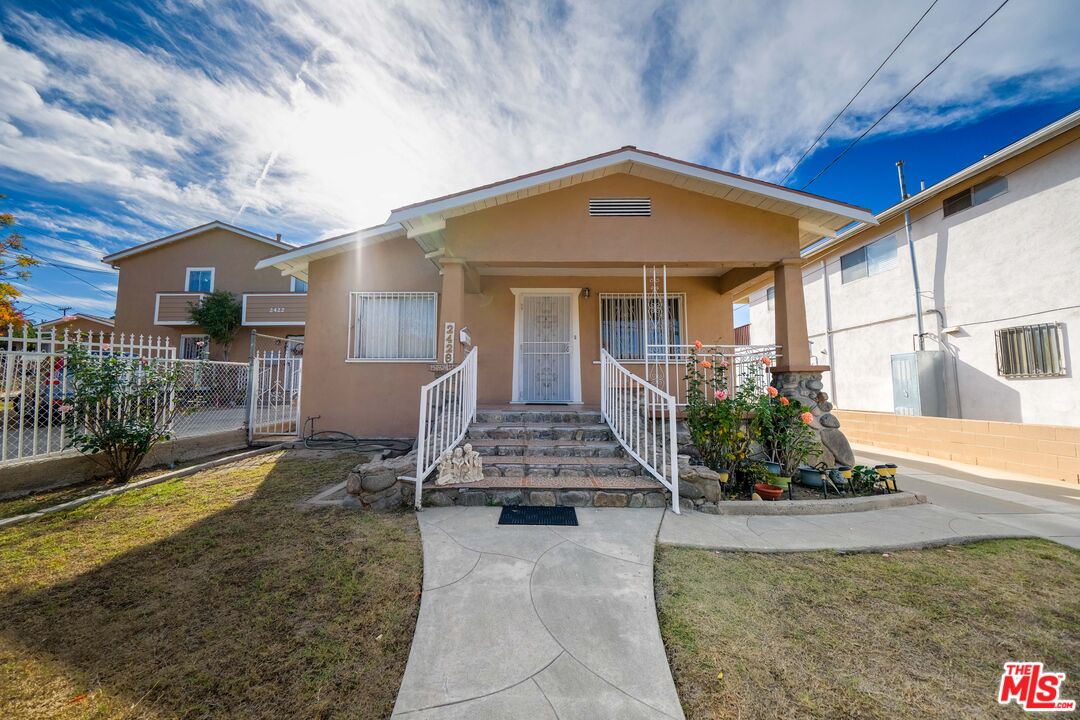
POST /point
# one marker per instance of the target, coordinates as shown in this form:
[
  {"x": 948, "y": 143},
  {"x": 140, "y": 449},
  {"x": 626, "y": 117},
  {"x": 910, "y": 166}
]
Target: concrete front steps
[{"x": 549, "y": 457}]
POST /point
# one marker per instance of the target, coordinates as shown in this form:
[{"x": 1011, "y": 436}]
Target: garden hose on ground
[{"x": 335, "y": 439}]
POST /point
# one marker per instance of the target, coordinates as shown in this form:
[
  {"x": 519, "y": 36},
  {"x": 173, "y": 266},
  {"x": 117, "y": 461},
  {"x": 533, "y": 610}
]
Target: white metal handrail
[
  {"x": 665, "y": 366},
  {"x": 642, "y": 418},
  {"x": 447, "y": 406}
]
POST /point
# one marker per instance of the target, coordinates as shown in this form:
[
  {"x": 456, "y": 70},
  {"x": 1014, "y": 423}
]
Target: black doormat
[{"x": 530, "y": 515}]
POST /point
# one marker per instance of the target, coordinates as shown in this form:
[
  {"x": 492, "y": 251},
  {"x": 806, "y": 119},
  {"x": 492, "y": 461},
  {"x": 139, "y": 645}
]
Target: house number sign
[
  {"x": 277, "y": 310},
  {"x": 448, "y": 342}
]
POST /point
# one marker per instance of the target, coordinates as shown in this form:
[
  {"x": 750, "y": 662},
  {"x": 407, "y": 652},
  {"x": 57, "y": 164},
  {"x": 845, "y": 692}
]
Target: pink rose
[
  {"x": 773, "y": 392},
  {"x": 766, "y": 361},
  {"x": 723, "y": 363},
  {"x": 784, "y": 401},
  {"x": 706, "y": 364},
  {"x": 807, "y": 417},
  {"x": 698, "y": 345},
  {"x": 720, "y": 395}
]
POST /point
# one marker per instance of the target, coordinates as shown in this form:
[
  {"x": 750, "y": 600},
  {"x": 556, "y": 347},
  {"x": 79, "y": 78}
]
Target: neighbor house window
[
  {"x": 623, "y": 324},
  {"x": 1030, "y": 351},
  {"x": 392, "y": 326},
  {"x": 976, "y": 195},
  {"x": 770, "y": 298},
  {"x": 200, "y": 280},
  {"x": 299, "y": 285},
  {"x": 871, "y": 259}
]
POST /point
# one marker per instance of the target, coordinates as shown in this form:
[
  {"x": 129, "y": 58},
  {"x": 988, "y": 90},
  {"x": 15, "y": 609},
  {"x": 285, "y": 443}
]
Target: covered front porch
[{"x": 541, "y": 333}]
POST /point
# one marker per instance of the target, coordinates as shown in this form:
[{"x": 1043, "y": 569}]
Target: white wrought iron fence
[
  {"x": 447, "y": 406},
  {"x": 275, "y": 373},
  {"x": 729, "y": 366},
  {"x": 209, "y": 397},
  {"x": 642, "y": 418}
]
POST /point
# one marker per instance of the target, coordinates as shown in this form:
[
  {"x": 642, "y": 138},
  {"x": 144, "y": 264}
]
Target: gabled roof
[
  {"x": 190, "y": 232},
  {"x": 78, "y": 316},
  {"x": 295, "y": 263},
  {"x": 425, "y": 220},
  {"x": 654, "y": 166}
]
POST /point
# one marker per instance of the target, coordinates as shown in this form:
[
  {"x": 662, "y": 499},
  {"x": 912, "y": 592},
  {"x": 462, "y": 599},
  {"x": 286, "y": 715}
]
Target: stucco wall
[
  {"x": 376, "y": 399},
  {"x": 684, "y": 227},
  {"x": 163, "y": 269},
  {"x": 1011, "y": 261}
]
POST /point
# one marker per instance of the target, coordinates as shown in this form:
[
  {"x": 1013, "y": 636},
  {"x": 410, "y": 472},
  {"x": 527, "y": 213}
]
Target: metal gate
[
  {"x": 276, "y": 373},
  {"x": 547, "y": 343}
]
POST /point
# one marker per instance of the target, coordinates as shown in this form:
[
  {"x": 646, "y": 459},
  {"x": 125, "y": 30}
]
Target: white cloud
[{"x": 318, "y": 117}]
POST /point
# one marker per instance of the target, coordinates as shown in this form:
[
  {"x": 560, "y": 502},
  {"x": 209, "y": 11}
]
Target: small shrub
[{"x": 119, "y": 408}]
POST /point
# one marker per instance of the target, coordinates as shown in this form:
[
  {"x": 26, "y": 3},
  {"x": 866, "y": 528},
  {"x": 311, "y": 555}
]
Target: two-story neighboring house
[
  {"x": 997, "y": 248},
  {"x": 159, "y": 281}
]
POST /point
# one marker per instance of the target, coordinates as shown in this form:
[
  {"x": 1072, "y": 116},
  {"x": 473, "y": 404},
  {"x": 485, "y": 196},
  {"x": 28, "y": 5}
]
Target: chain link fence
[{"x": 211, "y": 397}]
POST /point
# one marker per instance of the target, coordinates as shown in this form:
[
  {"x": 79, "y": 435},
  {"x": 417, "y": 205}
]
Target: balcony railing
[
  {"x": 173, "y": 308},
  {"x": 737, "y": 364},
  {"x": 261, "y": 309}
]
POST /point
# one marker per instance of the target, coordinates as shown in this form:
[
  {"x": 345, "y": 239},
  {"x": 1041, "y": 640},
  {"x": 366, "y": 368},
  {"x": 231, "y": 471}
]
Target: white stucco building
[{"x": 997, "y": 248}]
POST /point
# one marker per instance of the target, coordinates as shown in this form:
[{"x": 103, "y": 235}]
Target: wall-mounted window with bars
[
  {"x": 1031, "y": 351},
  {"x": 623, "y": 324},
  {"x": 620, "y": 207},
  {"x": 391, "y": 326}
]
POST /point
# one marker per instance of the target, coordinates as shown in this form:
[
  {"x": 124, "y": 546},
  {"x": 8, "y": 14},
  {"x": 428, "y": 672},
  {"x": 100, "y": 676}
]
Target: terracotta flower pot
[{"x": 768, "y": 492}]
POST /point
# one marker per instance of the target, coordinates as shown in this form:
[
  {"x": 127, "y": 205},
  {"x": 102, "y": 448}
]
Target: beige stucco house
[
  {"x": 539, "y": 272},
  {"x": 161, "y": 278}
]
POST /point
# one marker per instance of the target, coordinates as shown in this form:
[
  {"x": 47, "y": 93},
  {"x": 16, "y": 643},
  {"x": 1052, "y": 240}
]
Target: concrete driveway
[{"x": 538, "y": 622}]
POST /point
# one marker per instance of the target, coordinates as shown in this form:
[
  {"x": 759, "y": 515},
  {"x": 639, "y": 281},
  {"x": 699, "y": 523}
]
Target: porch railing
[
  {"x": 665, "y": 366},
  {"x": 642, "y": 418},
  {"x": 447, "y": 406}
]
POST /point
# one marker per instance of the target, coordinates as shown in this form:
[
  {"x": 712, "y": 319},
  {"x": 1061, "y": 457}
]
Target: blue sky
[{"x": 125, "y": 121}]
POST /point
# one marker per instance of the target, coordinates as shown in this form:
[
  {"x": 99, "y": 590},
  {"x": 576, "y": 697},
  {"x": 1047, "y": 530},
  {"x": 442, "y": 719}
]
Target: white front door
[{"x": 547, "y": 354}]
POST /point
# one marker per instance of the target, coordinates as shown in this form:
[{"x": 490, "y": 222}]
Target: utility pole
[{"x": 911, "y": 251}]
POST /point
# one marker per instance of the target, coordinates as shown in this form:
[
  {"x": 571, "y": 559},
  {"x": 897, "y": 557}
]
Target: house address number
[{"x": 276, "y": 310}]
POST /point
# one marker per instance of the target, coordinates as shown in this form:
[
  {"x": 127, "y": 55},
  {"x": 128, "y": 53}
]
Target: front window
[
  {"x": 393, "y": 326},
  {"x": 299, "y": 286},
  {"x": 200, "y": 280},
  {"x": 623, "y": 324},
  {"x": 194, "y": 347}
]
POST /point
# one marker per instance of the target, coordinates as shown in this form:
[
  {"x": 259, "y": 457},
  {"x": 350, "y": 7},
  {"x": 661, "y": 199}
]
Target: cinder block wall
[{"x": 1044, "y": 450}]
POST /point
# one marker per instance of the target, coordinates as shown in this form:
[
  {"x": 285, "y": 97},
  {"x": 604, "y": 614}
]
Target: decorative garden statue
[{"x": 460, "y": 465}]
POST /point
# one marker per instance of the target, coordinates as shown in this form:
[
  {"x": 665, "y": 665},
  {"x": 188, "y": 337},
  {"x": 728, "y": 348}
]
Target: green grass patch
[
  {"x": 915, "y": 634},
  {"x": 218, "y": 595}
]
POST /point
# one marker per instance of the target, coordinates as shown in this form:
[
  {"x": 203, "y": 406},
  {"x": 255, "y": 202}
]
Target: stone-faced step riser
[
  {"x": 499, "y": 417},
  {"x": 598, "y": 450},
  {"x": 541, "y": 470},
  {"x": 546, "y": 498},
  {"x": 600, "y": 434}
]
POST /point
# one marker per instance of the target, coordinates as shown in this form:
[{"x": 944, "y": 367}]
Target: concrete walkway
[
  {"x": 551, "y": 623},
  {"x": 889, "y": 529}
]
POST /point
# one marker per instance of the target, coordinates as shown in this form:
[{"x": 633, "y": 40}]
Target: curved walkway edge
[
  {"x": 897, "y": 528},
  {"x": 537, "y": 621}
]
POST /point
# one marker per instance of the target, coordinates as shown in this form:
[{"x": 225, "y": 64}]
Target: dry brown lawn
[
  {"x": 217, "y": 595},
  {"x": 917, "y": 634}
]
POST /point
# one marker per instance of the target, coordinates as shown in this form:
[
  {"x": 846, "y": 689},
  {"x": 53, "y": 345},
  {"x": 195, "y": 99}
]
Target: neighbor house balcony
[
  {"x": 289, "y": 308},
  {"x": 174, "y": 308}
]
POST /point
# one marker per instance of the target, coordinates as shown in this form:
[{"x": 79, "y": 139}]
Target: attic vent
[{"x": 620, "y": 207}]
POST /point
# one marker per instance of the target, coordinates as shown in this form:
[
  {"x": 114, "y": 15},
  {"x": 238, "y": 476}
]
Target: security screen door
[{"x": 547, "y": 349}]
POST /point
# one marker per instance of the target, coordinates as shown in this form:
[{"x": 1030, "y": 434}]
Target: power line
[
  {"x": 70, "y": 274},
  {"x": 914, "y": 87},
  {"x": 856, "y": 95}
]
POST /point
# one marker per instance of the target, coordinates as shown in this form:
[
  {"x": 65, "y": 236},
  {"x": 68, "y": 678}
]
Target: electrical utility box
[{"x": 918, "y": 383}]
